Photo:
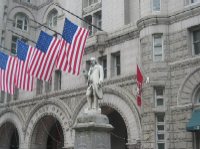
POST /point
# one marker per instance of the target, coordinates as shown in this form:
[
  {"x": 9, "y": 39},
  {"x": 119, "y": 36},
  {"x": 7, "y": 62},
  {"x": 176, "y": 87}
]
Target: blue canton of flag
[
  {"x": 22, "y": 50},
  {"x": 7, "y": 73},
  {"x": 69, "y": 31},
  {"x": 23, "y": 80},
  {"x": 3, "y": 60},
  {"x": 44, "y": 42}
]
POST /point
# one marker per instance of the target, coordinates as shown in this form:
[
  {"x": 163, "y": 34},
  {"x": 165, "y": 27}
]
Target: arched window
[
  {"x": 197, "y": 95},
  {"x": 21, "y": 22},
  {"x": 52, "y": 18}
]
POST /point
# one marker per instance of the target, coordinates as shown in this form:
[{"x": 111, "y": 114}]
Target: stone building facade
[{"x": 162, "y": 36}]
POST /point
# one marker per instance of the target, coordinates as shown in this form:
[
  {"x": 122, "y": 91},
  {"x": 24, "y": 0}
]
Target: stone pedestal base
[{"x": 92, "y": 131}]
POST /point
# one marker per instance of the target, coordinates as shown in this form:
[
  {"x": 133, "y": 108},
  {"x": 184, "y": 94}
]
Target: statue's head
[{"x": 93, "y": 61}]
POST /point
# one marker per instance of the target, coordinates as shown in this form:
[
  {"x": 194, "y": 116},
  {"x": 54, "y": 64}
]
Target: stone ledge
[
  {"x": 185, "y": 62},
  {"x": 188, "y": 12}
]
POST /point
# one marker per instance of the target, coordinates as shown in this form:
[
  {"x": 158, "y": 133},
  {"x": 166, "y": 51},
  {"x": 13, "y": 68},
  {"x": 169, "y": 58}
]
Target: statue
[{"x": 95, "y": 79}]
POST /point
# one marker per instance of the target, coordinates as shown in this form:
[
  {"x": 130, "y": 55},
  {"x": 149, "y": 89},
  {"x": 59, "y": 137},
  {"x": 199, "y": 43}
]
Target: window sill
[{"x": 160, "y": 109}]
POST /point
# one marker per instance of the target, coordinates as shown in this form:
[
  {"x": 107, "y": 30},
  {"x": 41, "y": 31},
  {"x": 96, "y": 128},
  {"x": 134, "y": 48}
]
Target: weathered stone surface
[{"x": 92, "y": 131}]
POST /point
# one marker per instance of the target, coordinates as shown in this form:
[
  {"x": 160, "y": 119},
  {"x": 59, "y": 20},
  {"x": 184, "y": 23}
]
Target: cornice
[
  {"x": 35, "y": 7},
  {"x": 93, "y": 8},
  {"x": 189, "y": 62},
  {"x": 126, "y": 33},
  {"x": 186, "y": 13}
]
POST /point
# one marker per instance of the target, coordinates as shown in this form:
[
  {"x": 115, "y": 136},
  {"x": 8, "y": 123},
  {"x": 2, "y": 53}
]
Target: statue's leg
[
  {"x": 89, "y": 99},
  {"x": 95, "y": 103}
]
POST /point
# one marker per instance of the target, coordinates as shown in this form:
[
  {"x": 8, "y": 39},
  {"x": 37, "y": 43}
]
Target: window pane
[
  {"x": 161, "y": 137},
  {"x": 156, "y": 5},
  {"x": 160, "y": 127},
  {"x": 157, "y": 47},
  {"x": 161, "y": 146},
  {"x": 118, "y": 64},
  {"x": 160, "y": 118},
  {"x": 57, "y": 80},
  {"x": 196, "y": 35},
  {"x": 157, "y": 41},
  {"x": 197, "y": 48},
  {"x": 39, "y": 87},
  {"x": 158, "y": 51},
  {"x": 158, "y": 58},
  {"x": 2, "y": 96},
  {"x": 159, "y": 91},
  {"x": 19, "y": 24},
  {"x": 160, "y": 102}
]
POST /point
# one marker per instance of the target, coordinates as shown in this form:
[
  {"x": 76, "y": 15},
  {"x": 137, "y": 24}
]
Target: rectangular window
[
  {"x": 188, "y": 2},
  {"x": 103, "y": 62},
  {"x": 88, "y": 19},
  {"x": 8, "y": 98},
  {"x": 2, "y": 96},
  {"x": 90, "y": 2},
  {"x": 160, "y": 130},
  {"x": 39, "y": 87},
  {"x": 157, "y": 47},
  {"x": 16, "y": 94},
  {"x": 116, "y": 63},
  {"x": 57, "y": 80},
  {"x": 159, "y": 96},
  {"x": 156, "y": 5},
  {"x": 48, "y": 86},
  {"x": 196, "y": 140},
  {"x": 14, "y": 43},
  {"x": 196, "y": 41},
  {"x": 98, "y": 20}
]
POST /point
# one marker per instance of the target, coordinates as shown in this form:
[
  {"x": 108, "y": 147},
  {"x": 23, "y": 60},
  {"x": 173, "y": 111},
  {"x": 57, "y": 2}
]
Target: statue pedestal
[{"x": 92, "y": 131}]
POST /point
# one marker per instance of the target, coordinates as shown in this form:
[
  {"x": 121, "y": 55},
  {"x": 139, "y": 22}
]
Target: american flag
[
  {"x": 44, "y": 57},
  {"x": 24, "y": 54},
  {"x": 7, "y": 73},
  {"x": 72, "y": 48}
]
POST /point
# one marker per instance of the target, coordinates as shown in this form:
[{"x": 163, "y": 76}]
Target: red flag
[{"x": 139, "y": 86}]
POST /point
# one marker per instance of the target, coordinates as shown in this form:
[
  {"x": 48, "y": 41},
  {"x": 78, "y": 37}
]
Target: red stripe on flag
[{"x": 139, "y": 86}]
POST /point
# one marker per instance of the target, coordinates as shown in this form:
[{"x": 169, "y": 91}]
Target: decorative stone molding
[
  {"x": 124, "y": 34},
  {"x": 185, "y": 63},
  {"x": 92, "y": 7},
  {"x": 53, "y": 107},
  {"x": 33, "y": 6},
  {"x": 15, "y": 117},
  {"x": 187, "y": 88},
  {"x": 168, "y": 19}
]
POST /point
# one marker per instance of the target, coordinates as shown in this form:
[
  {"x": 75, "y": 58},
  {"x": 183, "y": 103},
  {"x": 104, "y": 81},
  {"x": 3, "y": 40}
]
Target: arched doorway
[
  {"x": 9, "y": 138},
  {"x": 119, "y": 133},
  {"x": 47, "y": 134}
]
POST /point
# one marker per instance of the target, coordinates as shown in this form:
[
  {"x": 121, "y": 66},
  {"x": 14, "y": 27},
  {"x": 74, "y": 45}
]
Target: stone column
[{"x": 92, "y": 131}]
